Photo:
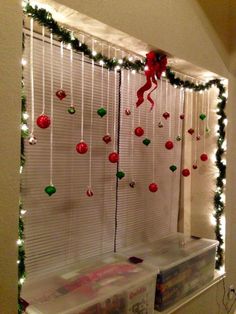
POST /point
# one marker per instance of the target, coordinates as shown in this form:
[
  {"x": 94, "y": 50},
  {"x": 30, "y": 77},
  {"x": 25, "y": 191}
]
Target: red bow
[{"x": 153, "y": 71}]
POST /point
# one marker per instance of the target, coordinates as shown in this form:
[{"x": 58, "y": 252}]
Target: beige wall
[
  {"x": 179, "y": 27},
  {"x": 10, "y": 56}
]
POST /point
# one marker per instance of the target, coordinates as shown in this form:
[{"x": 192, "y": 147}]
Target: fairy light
[
  {"x": 25, "y": 116},
  {"x": 23, "y": 62}
]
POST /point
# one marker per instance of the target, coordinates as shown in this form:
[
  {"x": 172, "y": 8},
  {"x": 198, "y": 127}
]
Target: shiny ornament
[
  {"x": 160, "y": 124},
  {"x": 204, "y": 157},
  {"x": 71, "y": 109},
  {"x": 153, "y": 187},
  {"x": 182, "y": 116},
  {"x": 120, "y": 174},
  {"x": 101, "y": 112},
  {"x": 61, "y": 94},
  {"x": 166, "y": 115},
  {"x": 32, "y": 140},
  {"x": 198, "y": 137},
  {"x": 89, "y": 192},
  {"x": 191, "y": 131},
  {"x": 132, "y": 184},
  {"x": 106, "y": 139},
  {"x": 139, "y": 131},
  {"x": 173, "y": 168},
  {"x": 202, "y": 116},
  {"x": 195, "y": 166},
  {"x": 50, "y": 189},
  {"x": 178, "y": 138},
  {"x": 113, "y": 157},
  {"x": 146, "y": 141},
  {"x": 43, "y": 121},
  {"x": 82, "y": 147},
  {"x": 185, "y": 172},
  {"x": 128, "y": 112},
  {"x": 169, "y": 145},
  {"x": 208, "y": 131}
]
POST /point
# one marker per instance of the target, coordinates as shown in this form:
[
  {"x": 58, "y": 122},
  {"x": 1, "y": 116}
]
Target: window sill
[{"x": 219, "y": 275}]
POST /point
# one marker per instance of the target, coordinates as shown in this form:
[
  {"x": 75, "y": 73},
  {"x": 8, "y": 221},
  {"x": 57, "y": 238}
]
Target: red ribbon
[{"x": 154, "y": 69}]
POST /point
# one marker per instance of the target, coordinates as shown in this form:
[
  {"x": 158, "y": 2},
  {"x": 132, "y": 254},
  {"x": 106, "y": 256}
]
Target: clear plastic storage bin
[
  {"x": 184, "y": 264},
  {"x": 107, "y": 285}
]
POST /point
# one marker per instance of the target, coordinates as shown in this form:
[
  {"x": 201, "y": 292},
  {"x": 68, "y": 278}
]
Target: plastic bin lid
[
  {"x": 79, "y": 286},
  {"x": 169, "y": 251}
]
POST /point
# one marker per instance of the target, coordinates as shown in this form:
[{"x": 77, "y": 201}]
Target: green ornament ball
[
  {"x": 50, "y": 189},
  {"x": 101, "y": 112},
  {"x": 120, "y": 175},
  {"x": 202, "y": 116},
  {"x": 173, "y": 168},
  {"x": 178, "y": 138},
  {"x": 146, "y": 141},
  {"x": 71, "y": 110}
]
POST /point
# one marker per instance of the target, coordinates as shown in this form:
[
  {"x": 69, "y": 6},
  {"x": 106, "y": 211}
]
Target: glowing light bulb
[
  {"x": 212, "y": 220},
  {"x": 130, "y": 59},
  {"x": 23, "y": 211},
  {"x": 146, "y": 68},
  {"x": 133, "y": 71},
  {"x": 24, "y": 127},
  {"x": 22, "y": 280},
  {"x": 117, "y": 68},
  {"x": 94, "y": 53},
  {"x": 69, "y": 46},
  {"x": 120, "y": 61},
  {"x": 101, "y": 62},
  {"x": 23, "y": 62},
  {"x": 19, "y": 242},
  {"x": 163, "y": 74},
  {"x": 18, "y": 262},
  {"x": 225, "y": 121},
  {"x": 21, "y": 169},
  {"x": 25, "y": 115}
]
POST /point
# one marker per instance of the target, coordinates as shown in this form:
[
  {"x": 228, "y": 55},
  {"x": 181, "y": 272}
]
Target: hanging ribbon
[{"x": 155, "y": 65}]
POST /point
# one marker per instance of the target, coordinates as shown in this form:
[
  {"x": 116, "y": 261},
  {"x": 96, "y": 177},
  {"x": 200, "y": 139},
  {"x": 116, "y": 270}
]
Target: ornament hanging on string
[
  {"x": 32, "y": 139},
  {"x": 82, "y": 146},
  {"x": 106, "y": 139},
  {"x": 195, "y": 165},
  {"x": 191, "y": 131},
  {"x": 132, "y": 182},
  {"x": 173, "y": 168},
  {"x": 120, "y": 174},
  {"x": 181, "y": 116},
  {"x": 166, "y": 114},
  {"x": 43, "y": 121},
  {"x": 89, "y": 191},
  {"x": 178, "y": 137},
  {"x": 153, "y": 187},
  {"x": 204, "y": 157},
  {"x": 71, "y": 110},
  {"x": 155, "y": 65},
  {"x": 127, "y": 111},
  {"x": 102, "y": 111},
  {"x": 169, "y": 145},
  {"x": 139, "y": 131},
  {"x": 51, "y": 189},
  {"x": 146, "y": 141},
  {"x": 160, "y": 124},
  {"x": 60, "y": 93},
  {"x": 185, "y": 172}
]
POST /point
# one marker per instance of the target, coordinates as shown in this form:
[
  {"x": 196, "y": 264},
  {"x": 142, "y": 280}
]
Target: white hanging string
[
  {"x": 196, "y": 128},
  {"x": 62, "y": 65},
  {"x": 166, "y": 96},
  {"x": 153, "y": 140},
  {"x": 52, "y": 122},
  {"x": 43, "y": 70},
  {"x": 102, "y": 85},
  {"x": 208, "y": 107},
  {"x": 139, "y": 110},
  {"x": 32, "y": 73},
  {"x": 82, "y": 94},
  {"x": 171, "y": 101},
  {"x": 180, "y": 111},
  {"x": 204, "y": 122},
  {"x": 128, "y": 87},
  {"x": 160, "y": 105},
  {"x": 197, "y": 114},
  {"x": 132, "y": 126},
  {"x": 71, "y": 78},
  {"x": 191, "y": 110},
  {"x": 108, "y": 93},
  {"x": 115, "y": 105},
  {"x": 91, "y": 120}
]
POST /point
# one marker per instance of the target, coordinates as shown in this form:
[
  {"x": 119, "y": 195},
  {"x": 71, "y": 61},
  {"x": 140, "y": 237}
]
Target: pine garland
[{"x": 64, "y": 35}]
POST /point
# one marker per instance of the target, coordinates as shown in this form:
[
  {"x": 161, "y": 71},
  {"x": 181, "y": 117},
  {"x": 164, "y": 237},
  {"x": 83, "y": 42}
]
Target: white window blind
[
  {"x": 141, "y": 214},
  {"x": 70, "y": 226}
]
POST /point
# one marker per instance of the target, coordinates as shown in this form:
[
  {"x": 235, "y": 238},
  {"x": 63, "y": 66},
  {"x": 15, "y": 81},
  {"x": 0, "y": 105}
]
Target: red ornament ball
[
  {"x": 166, "y": 115},
  {"x": 43, "y": 121},
  {"x": 139, "y": 131},
  {"x": 182, "y": 116},
  {"x": 127, "y": 111},
  {"x": 61, "y": 94},
  {"x": 191, "y": 131},
  {"x": 106, "y": 138},
  {"x": 169, "y": 145},
  {"x": 82, "y": 147},
  {"x": 89, "y": 192},
  {"x": 185, "y": 172},
  {"x": 113, "y": 157},
  {"x": 153, "y": 187},
  {"x": 198, "y": 137},
  {"x": 204, "y": 157}
]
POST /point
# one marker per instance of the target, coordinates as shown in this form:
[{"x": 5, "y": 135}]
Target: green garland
[{"x": 66, "y": 36}]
